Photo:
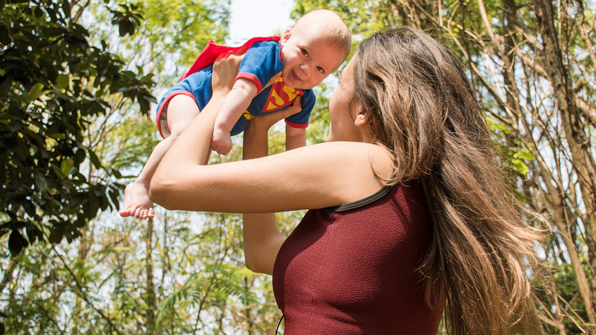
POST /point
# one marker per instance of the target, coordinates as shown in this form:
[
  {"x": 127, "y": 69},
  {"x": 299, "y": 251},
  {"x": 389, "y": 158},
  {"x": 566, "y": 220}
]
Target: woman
[{"x": 408, "y": 212}]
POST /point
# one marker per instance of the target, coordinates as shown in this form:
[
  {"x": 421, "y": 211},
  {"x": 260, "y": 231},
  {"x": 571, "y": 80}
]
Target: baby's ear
[{"x": 286, "y": 35}]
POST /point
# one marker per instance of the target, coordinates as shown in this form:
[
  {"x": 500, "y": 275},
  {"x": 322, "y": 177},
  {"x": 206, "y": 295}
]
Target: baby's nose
[{"x": 305, "y": 68}]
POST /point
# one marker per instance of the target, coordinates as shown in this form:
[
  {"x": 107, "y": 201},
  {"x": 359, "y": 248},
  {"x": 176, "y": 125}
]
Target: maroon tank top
[{"x": 351, "y": 269}]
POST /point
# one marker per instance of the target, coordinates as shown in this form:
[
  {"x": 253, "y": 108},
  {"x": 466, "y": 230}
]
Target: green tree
[
  {"x": 110, "y": 279},
  {"x": 52, "y": 83}
]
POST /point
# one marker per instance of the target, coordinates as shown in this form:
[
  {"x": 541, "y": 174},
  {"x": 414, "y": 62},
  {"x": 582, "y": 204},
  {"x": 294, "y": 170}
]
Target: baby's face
[{"x": 308, "y": 59}]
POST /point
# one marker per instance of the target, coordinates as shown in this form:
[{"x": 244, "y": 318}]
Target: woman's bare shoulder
[
  {"x": 354, "y": 166},
  {"x": 373, "y": 157}
]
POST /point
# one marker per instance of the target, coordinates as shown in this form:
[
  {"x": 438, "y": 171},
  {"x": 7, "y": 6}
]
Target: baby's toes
[
  {"x": 124, "y": 211},
  {"x": 137, "y": 212}
]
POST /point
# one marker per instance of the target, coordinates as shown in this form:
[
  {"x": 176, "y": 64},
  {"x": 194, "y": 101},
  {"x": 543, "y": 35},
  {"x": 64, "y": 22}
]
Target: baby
[{"x": 272, "y": 74}]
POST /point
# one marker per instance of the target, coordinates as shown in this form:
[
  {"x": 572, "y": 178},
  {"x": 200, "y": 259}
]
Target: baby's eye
[
  {"x": 304, "y": 52},
  {"x": 320, "y": 69}
]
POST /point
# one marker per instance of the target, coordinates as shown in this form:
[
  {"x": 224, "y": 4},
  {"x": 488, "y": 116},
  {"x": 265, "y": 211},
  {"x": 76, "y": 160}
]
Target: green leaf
[
  {"x": 15, "y": 126},
  {"x": 35, "y": 91},
  {"x": 94, "y": 159},
  {"x": 41, "y": 182},
  {"x": 79, "y": 156},
  {"x": 38, "y": 12},
  {"x": 16, "y": 242},
  {"x": 33, "y": 233},
  {"x": 494, "y": 126},
  {"x": 524, "y": 154},
  {"x": 519, "y": 166},
  {"x": 80, "y": 222},
  {"x": 93, "y": 207},
  {"x": 57, "y": 171},
  {"x": 66, "y": 7},
  {"x": 114, "y": 194},
  {"x": 63, "y": 81},
  {"x": 66, "y": 165},
  {"x": 117, "y": 173},
  {"x": 29, "y": 208},
  {"x": 58, "y": 136},
  {"x": 55, "y": 236}
]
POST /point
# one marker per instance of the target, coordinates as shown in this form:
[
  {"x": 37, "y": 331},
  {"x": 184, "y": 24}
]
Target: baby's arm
[
  {"x": 236, "y": 102},
  {"x": 295, "y": 137}
]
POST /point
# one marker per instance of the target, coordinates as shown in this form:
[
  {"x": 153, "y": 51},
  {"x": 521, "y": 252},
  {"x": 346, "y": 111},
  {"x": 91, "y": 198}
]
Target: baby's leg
[{"x": 181, "y": 110}]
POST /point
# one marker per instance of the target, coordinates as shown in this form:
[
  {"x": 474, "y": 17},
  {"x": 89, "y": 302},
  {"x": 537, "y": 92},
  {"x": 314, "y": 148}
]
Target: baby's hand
[{"x": 221, "y": 141}]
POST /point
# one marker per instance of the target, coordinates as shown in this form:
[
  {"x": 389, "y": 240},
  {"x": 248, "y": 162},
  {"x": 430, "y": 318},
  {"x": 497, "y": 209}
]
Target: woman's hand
[
  {"x": 255, "y": 135},
  {"x": 225, "y": 70},
  {"x": 266, "y": 121}
]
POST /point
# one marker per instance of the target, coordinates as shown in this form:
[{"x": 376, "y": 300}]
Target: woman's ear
[{"x": 361, "y": 118}]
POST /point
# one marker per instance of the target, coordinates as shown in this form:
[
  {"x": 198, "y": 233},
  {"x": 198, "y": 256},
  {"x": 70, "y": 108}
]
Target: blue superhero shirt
[{"x": 260, "y": 63}]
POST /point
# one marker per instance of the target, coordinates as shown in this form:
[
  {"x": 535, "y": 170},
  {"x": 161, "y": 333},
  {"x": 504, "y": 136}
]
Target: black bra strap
[{"x": 278, "y": 324}]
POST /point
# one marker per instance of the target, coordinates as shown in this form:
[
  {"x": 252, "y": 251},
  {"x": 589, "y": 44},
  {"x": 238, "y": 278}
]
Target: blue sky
[{"x": 250, "y": 18}]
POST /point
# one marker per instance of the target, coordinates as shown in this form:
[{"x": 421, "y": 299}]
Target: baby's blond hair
[{"x": 326, "y": 22}]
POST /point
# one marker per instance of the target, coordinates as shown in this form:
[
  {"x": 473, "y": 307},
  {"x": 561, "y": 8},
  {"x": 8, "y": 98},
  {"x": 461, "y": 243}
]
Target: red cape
[{"x": 212, "y": 50}]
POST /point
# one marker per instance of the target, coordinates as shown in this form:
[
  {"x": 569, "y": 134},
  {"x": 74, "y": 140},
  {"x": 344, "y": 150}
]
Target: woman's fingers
[
  {"x": 294, "y": 109},
  {"x": 225, "y": 70},
  {"x": 269, "y": 119},
  {"x": 220, "y": 57}
]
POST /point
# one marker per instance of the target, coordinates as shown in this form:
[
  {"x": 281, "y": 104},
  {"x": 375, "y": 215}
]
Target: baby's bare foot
[
  {"x": 136, "y": 201},
  {"x": 221, "y": 141}
]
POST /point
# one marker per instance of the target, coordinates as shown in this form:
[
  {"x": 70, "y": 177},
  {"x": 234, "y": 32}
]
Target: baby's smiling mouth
[{"x": 295, "y": 76}]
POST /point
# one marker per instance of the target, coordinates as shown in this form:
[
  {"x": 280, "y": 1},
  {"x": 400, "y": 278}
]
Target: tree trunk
[
  {"x": 83, "y": 248},
  {"x": 582, "y": 159},
  {"x": 7, "y": 279},
  {"x": 249, "y": 321},
  {"x": 150, "y": 287}
]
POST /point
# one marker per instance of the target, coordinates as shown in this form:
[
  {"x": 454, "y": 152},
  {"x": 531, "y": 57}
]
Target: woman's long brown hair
[{"x": 422, "y": 108}]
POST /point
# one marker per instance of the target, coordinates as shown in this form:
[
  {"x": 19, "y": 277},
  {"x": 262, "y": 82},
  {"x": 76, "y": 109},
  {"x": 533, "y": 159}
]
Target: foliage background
[{"x": 76, "y": 80}]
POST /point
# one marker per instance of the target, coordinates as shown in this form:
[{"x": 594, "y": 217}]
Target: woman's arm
[
  {"x": 295, "y": 137},
  {"x": 262, "y": 237},
  {"x": 316, "y": 176}
]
